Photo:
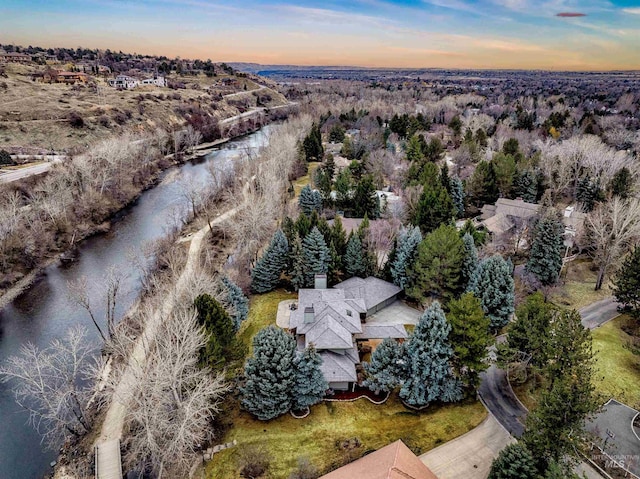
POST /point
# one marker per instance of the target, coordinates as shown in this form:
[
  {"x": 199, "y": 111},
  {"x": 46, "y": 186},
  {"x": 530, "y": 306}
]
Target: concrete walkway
[
  {"x": 284, "y": 313},
  {"x": 470, "y": 455}
]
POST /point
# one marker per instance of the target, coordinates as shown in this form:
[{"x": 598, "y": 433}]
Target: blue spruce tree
[
  {"x": 266, "y": 274},
  {"x": 492, "y": 283},
  {"x": 456, "y": 189},
  {"x": 355, "y": 262},
  {"x": 386, "y": 370},
  {"x": 469, "y": 259},
  {"x": 545, "y": 258},
  {"x": 270, "y": 374},
  {"x": 310, "y": 385},
  {"x": 428, "y": 356},
  {"x": 316, "y": 255},
  {"x": 309, "y": 201},
  {"x": 405, "y": 254},
  {"x": 238, "y": 301}
]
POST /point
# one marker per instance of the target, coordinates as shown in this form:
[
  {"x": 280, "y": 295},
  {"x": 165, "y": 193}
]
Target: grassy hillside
[{"x": 35, "y": 116}]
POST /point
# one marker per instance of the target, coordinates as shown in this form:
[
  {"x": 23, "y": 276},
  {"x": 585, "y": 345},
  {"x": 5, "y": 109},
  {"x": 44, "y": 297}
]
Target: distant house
[
  {"x": 334, "y": 321},
  {"x": 14, "y": 57},
  {"x": 395, "y": 461},
  {"x": 506, "y": 215},
  {"x": 124, "y": 82},
  {"x": 57, "y": 76},
  {"x": 129, "y": 83},
  {"x": 157, "y": 81}
]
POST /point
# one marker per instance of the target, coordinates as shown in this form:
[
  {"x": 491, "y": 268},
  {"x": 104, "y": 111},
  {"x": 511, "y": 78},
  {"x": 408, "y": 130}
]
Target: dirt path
[{"x": 114, "y": 419}]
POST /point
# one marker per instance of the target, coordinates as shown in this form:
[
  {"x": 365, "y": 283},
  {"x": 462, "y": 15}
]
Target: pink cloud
[{"x": 571, "y": 14}]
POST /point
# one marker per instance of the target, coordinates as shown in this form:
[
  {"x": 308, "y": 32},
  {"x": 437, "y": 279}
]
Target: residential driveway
[
  {"x": 613, "y": 425},
  {"x": 470, "y": 455},
  {"x": 499, "y": 399},
  {"x": 600, "y": 312},
  {"x": 395, "y": 313},
  {"x": 284, "y": 313}
]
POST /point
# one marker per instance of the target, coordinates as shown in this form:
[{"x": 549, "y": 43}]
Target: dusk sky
[{"x": 553, "y": 34}]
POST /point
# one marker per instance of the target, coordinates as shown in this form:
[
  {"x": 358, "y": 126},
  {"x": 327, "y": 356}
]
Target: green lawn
[
  {"x": 262, "y": 313},
  {"x": 617, "y": 371},
  {"x": 286, "y": 439},
  {"x": 306, "y": 179},
  {"x": 617, "y": 368},
  {"x": 579, "y": 283}
]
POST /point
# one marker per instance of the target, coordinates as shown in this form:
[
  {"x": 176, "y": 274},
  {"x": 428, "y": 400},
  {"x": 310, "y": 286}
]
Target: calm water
[{"x": 44, "y": 311}]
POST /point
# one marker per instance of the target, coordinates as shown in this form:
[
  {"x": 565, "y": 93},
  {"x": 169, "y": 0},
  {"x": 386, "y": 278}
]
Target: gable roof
[
  {"x": 395, "y": 461},
  {"x": 338, "y": 368},
  {"x": 498, "y": 224},
  {"x": 381, "y": 331},
  {"x": 373, "y": 290},
  {"x": 328, "y": 334}
]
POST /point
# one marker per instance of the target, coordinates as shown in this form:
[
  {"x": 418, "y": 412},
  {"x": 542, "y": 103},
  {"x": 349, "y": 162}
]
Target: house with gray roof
[{"x": 334, "y": 320}]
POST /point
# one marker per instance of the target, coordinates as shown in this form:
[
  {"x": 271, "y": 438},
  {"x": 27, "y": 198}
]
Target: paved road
[
  {"x": 498, "y": 397},
  {"x": 470, "y": 455},
  {"x": 614, "y": 426},
  {"x": 600, "y": 312},
  {"x": 15, "y": 175}
]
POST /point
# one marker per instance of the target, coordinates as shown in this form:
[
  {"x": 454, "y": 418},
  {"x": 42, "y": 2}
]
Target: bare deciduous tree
[
  {"x": 53, "y": 385},
  {"x": 79, "y": 295},
  {"x": 173, "y": 399},
  {"x": 611, "y": 229}
]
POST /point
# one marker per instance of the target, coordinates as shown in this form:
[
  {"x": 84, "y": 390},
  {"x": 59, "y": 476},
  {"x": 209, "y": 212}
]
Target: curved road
[{"x": 496, "y": 394}]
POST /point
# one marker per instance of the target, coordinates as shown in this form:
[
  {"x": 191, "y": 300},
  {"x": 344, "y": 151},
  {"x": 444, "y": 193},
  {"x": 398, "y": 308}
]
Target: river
[{"x": 44, "y": 311}]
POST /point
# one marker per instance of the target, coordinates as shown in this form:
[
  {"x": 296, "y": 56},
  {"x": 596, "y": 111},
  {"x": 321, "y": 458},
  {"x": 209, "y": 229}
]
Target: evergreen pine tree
[
  {"x": 436, "y": 270},
  {"x": 527, "y": 186},
  {"x": 266, "y": 274},
  {"x": 355, "y": 263},
  {"x": 470, "y": 338},
  {"x": 627, "y": 283},
  {"x": 492, "y": 282},
  {"x": 238, "y": 301},
  {"x": 312, "y": 144},
  {"x": 545, "y": 258},
  {"x": 404, "y": 255},
  {"x": 434, "y": 208},
  {"x": 303, "y": 225},
  {"x": 456, "y": 189},
  {"x": 385, "y": 371},
  {"x": 309, "y": 200},
  {"x": 428, "y": 357},
  {"x": 297, "y": 265},
  {"x": 588, "y": 193},
  {"x": 219, "y": 328},
  {"x": 514, "y": 462},
  {"x": 316, "y": 255},
  {"x": 339, "y": 236},
  {"x": 365, "y": 199},
  {"x": 310, "y": 385},
  {"x": 469, "y": 259},
  {"x": 621, "y": 183},
  {"x": 530, "y": 332},
  {"x": 270, "y": 374}
]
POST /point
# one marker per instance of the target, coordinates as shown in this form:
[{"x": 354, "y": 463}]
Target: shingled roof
[
  {"x": 373, "y": 290},
  {"x": 395, "y": 461}
]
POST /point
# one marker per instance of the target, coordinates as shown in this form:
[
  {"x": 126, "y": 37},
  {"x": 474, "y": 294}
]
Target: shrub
[
  {"x": 5, "y": 158},
  {"x": 75, "y": 120}
]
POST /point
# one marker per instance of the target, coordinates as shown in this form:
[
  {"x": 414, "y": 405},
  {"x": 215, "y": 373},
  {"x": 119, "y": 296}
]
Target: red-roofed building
[{"x": 395, "y": 461}]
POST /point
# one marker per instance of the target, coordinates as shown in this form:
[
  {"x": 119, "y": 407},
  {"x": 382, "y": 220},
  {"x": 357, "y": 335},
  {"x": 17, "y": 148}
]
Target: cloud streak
[{"x": 570, "y": 14}]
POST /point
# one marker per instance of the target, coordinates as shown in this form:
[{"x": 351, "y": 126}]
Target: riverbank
[{"x": 15, "y": 289}]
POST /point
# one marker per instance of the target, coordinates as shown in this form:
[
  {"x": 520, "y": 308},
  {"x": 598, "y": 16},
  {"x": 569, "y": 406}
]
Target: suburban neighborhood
[{"x": 389, "y": 240}]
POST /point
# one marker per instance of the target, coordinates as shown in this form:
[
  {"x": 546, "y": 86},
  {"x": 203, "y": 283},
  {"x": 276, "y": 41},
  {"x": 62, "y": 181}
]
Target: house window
[{"x": 349, "y": 312}]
